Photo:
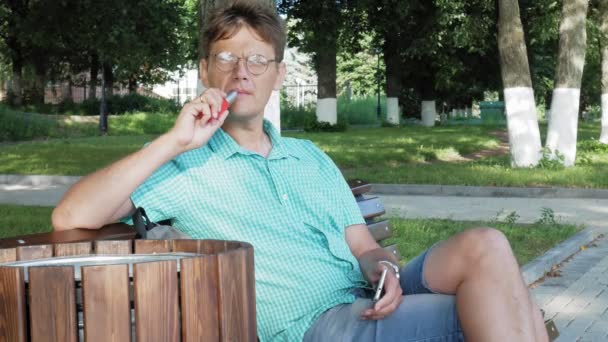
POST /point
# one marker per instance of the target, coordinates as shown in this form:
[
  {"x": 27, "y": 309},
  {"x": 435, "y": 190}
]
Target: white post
[
  {"x": 392, "y": 110},
  {"x": 272, "y": 111},
  {"x": 524, "y": 136},
  {"x": 429, "y": 113},
  {"x": 561, "y": 134},
  {"x": 327, "y": 110},
  {"x": 604, "y": 134}
]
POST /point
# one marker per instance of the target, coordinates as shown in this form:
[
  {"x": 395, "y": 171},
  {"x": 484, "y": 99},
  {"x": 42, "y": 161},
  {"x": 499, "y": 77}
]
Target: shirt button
[{"x": 285, "y": 197}]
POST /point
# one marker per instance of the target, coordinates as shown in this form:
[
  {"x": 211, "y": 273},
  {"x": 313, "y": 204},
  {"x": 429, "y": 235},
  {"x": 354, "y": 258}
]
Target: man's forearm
[{"x": 98, "y": 198}]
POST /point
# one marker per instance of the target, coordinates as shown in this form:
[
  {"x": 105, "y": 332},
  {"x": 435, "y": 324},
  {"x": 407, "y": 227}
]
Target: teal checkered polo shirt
[{"x": 293, "y": 207}]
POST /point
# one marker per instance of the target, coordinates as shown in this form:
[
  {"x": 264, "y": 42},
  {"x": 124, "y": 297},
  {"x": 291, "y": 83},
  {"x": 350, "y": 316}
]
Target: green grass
[
  {"x": 401, "y": 155},
  {"x": 412, "y": 235},
  {"x": 21, "y": 220}
]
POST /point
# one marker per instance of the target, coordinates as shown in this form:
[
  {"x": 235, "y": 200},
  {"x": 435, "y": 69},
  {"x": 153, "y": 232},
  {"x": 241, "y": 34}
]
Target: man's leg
[{"x": 493, "y": 303}]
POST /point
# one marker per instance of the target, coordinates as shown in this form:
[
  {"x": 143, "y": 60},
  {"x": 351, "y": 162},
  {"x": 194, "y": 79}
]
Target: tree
[
  {"x": 272, "y": 111},
  {"x": 563, "y": 122},
  {"x": 522, "y": 123},
  {"x": 604, "y": 45},
  {"x": 316, "y": 28}
]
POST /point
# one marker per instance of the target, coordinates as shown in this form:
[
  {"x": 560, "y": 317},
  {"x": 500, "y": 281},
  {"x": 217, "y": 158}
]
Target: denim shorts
[{"x": 423, "y": 316}]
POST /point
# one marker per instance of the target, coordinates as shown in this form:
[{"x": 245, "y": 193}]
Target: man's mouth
[{"x": 243, "y": 91}]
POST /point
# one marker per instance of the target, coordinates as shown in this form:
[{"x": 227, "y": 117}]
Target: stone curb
[
  {"x": 538, "y": 267},
  {"x": 486, "y": 191},
  {"x": 33, "y": 180}
]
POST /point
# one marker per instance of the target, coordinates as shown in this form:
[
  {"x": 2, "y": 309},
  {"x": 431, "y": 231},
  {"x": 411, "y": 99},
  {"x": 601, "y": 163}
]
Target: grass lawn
[
  {"x": 412, "y": 236},
  {"x": 405, "y": 155}
]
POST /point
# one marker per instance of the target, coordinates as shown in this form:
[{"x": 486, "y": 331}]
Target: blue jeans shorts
[{"x": 423, "y": 316}]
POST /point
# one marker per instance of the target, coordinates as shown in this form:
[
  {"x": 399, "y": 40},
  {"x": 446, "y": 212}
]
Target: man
[{"x": 231, "y": 176}]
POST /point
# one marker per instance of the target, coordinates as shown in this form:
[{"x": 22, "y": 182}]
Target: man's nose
[{"x": 240, "y": 70}]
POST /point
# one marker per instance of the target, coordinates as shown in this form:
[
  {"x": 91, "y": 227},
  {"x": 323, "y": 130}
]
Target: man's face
[{"x": 254, "y": 90}]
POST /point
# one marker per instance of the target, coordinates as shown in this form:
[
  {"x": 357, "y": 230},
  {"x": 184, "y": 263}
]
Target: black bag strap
[{"x": 141, "y": 222}]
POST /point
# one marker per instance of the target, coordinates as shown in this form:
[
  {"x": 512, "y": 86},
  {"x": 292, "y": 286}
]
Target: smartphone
[{"x": 380, "y": 287}]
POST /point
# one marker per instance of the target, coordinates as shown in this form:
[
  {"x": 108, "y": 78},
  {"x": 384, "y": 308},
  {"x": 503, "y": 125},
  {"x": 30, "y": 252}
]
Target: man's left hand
[{"x": 392, "y": 298}]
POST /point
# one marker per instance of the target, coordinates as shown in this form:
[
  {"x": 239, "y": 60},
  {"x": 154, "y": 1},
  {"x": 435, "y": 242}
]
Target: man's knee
[{"x": 484, "y": 245}]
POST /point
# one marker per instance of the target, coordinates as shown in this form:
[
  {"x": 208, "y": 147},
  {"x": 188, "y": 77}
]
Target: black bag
[{"x": 149, "y": 230}]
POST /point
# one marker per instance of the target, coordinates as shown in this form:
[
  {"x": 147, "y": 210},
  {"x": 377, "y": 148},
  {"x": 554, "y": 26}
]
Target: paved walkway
[{"x": 577, "y": 300}]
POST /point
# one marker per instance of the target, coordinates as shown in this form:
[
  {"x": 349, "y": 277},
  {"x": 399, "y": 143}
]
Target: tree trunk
[
  {"x": 94, "y": 73},
  {"x": 103, "y": 106},
  {"x": 108, "y": 76},
  {"x": 428, "y": 108},
  {"x": 522, "y": 123},
  {"x": 15, "y": 91},
  {"x": 604, "y": 45},
  {"x": 393, "y": 64},
  {"x": 38, "y": 87},
  {"x": 272, "y": 111},
  {"x": 563, "y": 122},
  {"x": 325, "y": 66},
  {"x": 132, "y": 84}
]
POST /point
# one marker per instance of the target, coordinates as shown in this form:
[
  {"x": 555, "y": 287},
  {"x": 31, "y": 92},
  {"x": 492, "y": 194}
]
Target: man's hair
[{"x": 225, "y": 22}]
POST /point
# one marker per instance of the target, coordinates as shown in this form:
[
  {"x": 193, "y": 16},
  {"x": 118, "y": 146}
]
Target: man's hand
[
  {"x": 198, "y": 120},
  {"x": 392, "y": 298}
]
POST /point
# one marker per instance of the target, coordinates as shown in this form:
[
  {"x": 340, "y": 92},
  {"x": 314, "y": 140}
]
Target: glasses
[{"x": 255, "y": 64}]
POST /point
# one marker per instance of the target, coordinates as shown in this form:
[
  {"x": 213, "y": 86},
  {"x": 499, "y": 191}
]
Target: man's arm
[
  {"x": 362, "y": 245},
  {"x": 104, "y": 196}
]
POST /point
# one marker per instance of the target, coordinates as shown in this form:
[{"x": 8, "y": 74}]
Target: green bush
[
  {"x": 131, "y": 103},
  {"x": 117, "y": 104},
  {"x": 18, "y": 126}
]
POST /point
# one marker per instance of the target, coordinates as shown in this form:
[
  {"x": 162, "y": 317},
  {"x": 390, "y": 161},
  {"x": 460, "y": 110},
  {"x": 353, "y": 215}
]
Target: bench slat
[
  {"x": 200, "y": 316},
  {"x": 380, "y": 230},
  {"x": 156, "y": 303},
  {"x": 233, "y": 284},
  {"x": 113, "y": 247},
  {"x": 52, "y": 302},
  {"x": 34, "y": 252},
  {"x": 8, "y": 255},
  {"x": 393, "y": 249},
  {"x": 188, "y": 246},
  {"x": 71, "y": 249},
  {"x": 371, "y": 207},
  {"x": 12, "y": 305},
  {"x": 152, "y": 246},
  {"x": 358, "y": 186},
  {"x": 106, "y": 308}
]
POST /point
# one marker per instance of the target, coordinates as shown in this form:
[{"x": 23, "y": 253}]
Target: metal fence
[{"x": 300, "y": 95}]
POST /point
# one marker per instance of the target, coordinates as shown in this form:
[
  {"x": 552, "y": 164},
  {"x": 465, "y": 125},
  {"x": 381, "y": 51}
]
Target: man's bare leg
[{"x": 493, "y": 303}]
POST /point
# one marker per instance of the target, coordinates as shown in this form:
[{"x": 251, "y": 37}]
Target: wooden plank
[
  {"x": 13, "y": 318},
  {"x": 119, "y": 247},
  {"x": 114, "y": 231},
  {"x": 199, "y": 287},
  {"x": 34, "y": 252},
  {"x": 156, "y": 302},
  {"x": 152, "y": 246},
  {"x": 358, "y": 186},
  {"x": 393, "y": 250},
  {"x": 380, "y": 230},
  {"x": 187, "y": 246},
  {"x": 8, "y": 254},
  {"x": 75, "y": 248},
  {"x": 106, "y": 306},
  {"x": 52, "y": 302},
  {"x": 371, "y": 207},
  {"x": 236, "y": 302}
]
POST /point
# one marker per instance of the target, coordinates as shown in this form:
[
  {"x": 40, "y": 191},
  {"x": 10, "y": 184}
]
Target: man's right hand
[{"x": 198, "y": 120}]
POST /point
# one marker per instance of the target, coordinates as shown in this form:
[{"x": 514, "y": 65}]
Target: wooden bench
[{"x": 371, "y": 209}]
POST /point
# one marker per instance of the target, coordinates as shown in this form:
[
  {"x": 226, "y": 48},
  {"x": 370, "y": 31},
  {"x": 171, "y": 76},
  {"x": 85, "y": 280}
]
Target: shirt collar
[{"x": 225, "y": 146}]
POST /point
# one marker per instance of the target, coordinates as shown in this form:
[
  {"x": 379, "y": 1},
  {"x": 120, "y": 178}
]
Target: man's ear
[
  {"x": 278, "y": 83},
  {"x": 202, "y": 71}
]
